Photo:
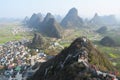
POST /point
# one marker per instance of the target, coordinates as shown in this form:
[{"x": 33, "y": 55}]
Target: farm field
[{"x": 13, "y": 31}]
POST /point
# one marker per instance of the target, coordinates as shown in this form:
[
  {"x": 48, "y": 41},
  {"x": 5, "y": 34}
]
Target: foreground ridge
[{"x": 80, "y": 61}]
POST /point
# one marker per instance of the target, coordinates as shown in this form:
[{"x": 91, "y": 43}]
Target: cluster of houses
[
  {"x": 16, "y": 60},
  {"x": 20, "y": 29}
]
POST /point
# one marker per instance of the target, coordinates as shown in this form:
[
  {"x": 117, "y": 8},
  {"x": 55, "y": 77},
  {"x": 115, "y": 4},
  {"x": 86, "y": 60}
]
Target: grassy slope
[{"x": 113, "y": 53}]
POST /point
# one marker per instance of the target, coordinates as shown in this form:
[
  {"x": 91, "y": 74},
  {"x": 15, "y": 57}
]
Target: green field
[{"x": 7, "y": 35}]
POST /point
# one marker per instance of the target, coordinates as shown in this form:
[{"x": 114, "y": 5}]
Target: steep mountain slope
[
  {"x": 79, "y": 61},
  {"x": 72, "y": 20},
  {"x": 35, "y": 20},
  {"x": 47, "y": 17},
  {"x": 50, "y": 27}
]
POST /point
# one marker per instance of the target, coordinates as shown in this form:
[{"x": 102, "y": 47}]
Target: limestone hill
[
  {"x": 47, "y": 27},
  {"x": 72, "y": 20},
  {"x": 35, "y": 20},
  {"x": 50, "y": 27},
  {"x": 104, "y": 20},
  {"x": 37, "y": 42},
  {"x": 108, "y": 41}
]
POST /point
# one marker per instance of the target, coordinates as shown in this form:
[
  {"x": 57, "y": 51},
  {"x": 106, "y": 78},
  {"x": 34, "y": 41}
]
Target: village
[{"x": 16, "y": 61}]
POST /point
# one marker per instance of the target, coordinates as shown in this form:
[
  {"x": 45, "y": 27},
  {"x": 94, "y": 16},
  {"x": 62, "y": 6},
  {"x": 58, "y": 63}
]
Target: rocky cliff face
[
  {"x": 79, "y": 61},
  {"x": 72, "y": 19}
]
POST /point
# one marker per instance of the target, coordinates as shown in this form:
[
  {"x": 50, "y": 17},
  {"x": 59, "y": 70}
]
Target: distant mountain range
[
  {"x": 47, "y": 26},
  {"x": 104, "y": 20},
  {"x": 52, "y": 27},
  {"x": 7, "y": 20}
]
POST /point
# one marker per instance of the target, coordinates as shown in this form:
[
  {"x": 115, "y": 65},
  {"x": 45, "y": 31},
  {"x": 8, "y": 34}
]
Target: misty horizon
[
  {"x": 86, "y": 9},
  {"x": 56, "y": 15}
]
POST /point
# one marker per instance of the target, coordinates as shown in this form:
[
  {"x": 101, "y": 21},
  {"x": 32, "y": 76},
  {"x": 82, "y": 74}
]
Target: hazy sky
[{"x": 86, "y": 8}]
